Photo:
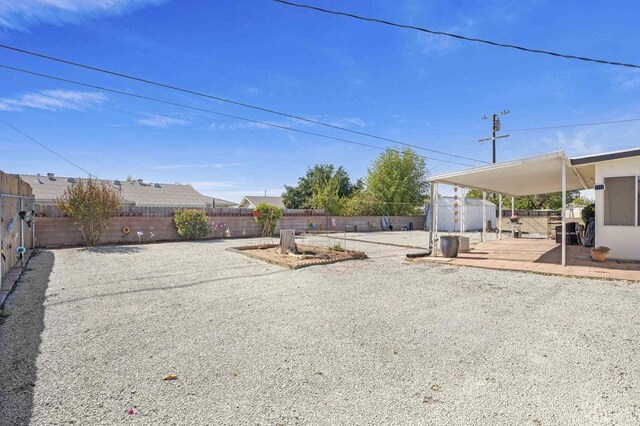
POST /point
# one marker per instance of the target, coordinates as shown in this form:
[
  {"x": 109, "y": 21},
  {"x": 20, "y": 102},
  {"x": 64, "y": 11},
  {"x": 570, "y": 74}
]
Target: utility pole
[{"x": 497, "y": 125}]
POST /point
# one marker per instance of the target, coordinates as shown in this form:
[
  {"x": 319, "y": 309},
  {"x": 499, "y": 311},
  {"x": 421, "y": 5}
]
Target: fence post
[{"x": 21, "y": 204}]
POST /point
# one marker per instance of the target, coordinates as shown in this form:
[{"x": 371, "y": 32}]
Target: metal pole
[
  {"x": 21, "y": 204},
  {"x": 1, "y": 235},
  {"x": 463, "y": 202},
  {"x": 434, "y": 216},
  {"x": 33, "y": 225},
  {"x": 499, "y": 216},
  {"x": 484, "y": 216},
  {"x": 564, "y": 213},
  {"x": 493, "y": 137},
  {"x": 513, "y": 212}
]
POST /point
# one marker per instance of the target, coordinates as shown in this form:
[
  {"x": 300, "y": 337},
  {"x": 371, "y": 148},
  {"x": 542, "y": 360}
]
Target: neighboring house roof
[
  {"x": 47, "y": 188},
  {"x": 251, "y": 201}
]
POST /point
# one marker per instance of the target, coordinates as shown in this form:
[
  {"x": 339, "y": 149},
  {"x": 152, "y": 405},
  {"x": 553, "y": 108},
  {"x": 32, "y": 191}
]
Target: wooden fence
[
  {"x": 15, "y": 197},
  {"x": 44, "y": 210}
]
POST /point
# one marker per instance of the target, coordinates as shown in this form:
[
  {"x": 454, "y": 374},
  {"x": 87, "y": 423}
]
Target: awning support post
[
  {"x": 484, "y": 216},
  {"x": 463, "y": 202},
  {"x": 564, "y": 214},
  {"x": 434, "y": 217},
  {"x": 499, "y": 216}
]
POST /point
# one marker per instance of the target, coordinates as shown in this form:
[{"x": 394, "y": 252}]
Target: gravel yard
[{"x": 89, "y": 333}]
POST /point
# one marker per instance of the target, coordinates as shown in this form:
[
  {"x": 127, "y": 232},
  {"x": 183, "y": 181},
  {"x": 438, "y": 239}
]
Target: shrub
[
  {"x": 269, "y": 217},
  {"x": 588, "y": 212},
  {"x": 90, "y": 203},
  {"x": 192, "y": 224}
]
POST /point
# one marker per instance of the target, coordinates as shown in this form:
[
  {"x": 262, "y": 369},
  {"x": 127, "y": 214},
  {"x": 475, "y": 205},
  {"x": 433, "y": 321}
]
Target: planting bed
[{"x": 308, "y": 256}]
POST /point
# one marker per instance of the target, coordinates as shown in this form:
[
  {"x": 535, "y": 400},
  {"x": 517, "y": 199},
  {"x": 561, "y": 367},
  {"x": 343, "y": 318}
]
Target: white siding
[
  {"x": 472, "y": 216},
  {"x": 624, "y": 241}
]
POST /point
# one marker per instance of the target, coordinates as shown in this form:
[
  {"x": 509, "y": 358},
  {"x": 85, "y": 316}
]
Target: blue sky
[{"x": 400, "y": 84}]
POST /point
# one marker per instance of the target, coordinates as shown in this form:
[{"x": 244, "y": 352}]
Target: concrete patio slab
[{"x": 542, "y": 256}]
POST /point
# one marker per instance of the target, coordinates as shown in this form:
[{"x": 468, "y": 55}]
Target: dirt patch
[{"x": 307, "y": 256}]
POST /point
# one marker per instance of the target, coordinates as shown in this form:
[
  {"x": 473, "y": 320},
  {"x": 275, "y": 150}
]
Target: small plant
[
  {"x": 336, "y": 247},
  {"x": 192, "y": 224},
  {"x": 90, "y": 203},
  {"x": 599, "y": 254}
]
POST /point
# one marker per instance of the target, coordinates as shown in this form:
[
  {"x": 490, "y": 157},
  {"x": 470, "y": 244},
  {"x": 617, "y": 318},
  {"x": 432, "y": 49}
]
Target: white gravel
[{"x": 380, "y": 341}]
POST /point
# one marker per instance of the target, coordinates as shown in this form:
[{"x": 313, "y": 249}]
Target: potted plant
[{"x": 599, "y": 254}]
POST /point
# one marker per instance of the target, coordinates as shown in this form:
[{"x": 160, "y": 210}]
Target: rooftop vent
[
  {"x": 117, "y": 183},
  {"x": 71, "y": 180},
  {"x": 51, "y": 175},
  {"x": 156, "y": 185},
  {"x": 40, "y": 179}
]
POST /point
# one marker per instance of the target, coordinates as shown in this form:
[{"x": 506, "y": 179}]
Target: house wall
[
  {"x": 624, "y": 241},
  {"x": 61, "y": 231}
]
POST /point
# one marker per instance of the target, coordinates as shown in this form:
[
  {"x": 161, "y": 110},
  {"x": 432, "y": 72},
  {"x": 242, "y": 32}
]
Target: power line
[
  {"x": 457, "y": 36},
  {"x": 217, "y": 98},
  {"x": 166, "y": 102},
  {"x": 47, "y": 148},
  {"x": 595, "y": 123}
]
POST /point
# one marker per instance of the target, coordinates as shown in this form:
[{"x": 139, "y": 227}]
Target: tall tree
[
  {"x": 314, "y": 182},
  {"x": 396, "y": 184}
]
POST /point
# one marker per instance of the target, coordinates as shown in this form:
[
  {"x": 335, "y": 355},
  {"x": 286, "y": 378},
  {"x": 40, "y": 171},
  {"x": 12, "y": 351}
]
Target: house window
[{"x": 620, "y": 199}]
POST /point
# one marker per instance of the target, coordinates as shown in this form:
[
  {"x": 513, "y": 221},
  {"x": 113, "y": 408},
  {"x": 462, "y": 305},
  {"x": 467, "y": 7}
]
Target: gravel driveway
[{"x": 89, "y": 333}]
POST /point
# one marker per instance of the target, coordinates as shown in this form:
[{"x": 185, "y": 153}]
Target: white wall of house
[{"x": 624, "y": 241}]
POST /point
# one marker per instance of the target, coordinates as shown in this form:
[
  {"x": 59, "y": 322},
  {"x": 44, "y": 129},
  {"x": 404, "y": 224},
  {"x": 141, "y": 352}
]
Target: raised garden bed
[{"x": 307, "y": 256}]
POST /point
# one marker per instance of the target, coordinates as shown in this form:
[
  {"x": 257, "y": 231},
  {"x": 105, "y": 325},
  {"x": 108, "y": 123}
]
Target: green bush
[
  {"x": 588, "y": 212},
  {"x": 192, "y": 224},
  {"x": 269, "y": 218},
  {"x": 90, "y": 203}
]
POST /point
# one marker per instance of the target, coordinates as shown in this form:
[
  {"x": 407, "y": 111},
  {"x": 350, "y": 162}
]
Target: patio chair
[{"x": 572, "y": 233}]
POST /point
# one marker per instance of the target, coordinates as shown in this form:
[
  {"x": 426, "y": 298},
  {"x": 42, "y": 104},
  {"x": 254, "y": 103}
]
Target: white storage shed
[{"x": 472, "y": 214}]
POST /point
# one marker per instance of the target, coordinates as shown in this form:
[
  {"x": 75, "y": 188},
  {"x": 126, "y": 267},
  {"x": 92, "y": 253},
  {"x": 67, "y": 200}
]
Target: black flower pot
[{"x": 450, "y": 245}]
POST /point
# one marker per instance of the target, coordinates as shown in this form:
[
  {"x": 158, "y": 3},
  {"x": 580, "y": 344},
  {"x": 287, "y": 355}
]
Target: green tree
[
  {"x": 551, "y": 201},
  {"x": 314, "y": 182},
  {"x": 328, "y": 197},
  {"x": 90, "y": 203},
  {"x": 396, "y": 184}
]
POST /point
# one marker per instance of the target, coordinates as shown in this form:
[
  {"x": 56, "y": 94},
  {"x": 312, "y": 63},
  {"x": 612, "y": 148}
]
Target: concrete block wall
[{"x": 63, "y": 232}]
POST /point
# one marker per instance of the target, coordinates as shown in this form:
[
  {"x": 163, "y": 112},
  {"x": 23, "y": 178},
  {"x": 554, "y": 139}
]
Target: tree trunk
[{"x": 287, "y": 241}]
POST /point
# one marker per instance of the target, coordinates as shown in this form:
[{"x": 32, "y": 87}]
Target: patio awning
[{"x": 540, "y": 174}]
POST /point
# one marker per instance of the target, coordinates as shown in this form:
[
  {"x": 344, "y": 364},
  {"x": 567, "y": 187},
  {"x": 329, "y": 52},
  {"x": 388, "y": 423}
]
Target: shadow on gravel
[{"x": 20, "y": 338}]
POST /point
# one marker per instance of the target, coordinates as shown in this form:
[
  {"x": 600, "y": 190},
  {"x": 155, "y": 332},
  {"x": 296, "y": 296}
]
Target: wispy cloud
[
  {"x": 22, "y": 14},
  {"x": 431, "y": 43},
  {"x": 238, "y": 126},
  {"x": 53, "y": 100},
  {"x": 578, "y": 143},
  {"x": 161, "y": 121},
  {"x": 627, "y": 79},
  {"x": 200, "y": 166}
]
